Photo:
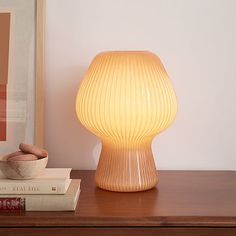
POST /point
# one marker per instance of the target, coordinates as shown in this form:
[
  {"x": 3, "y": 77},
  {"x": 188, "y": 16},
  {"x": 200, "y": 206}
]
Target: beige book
[
  {"x": 52, "y": 181},
  {"x": 65, "y": 202}
]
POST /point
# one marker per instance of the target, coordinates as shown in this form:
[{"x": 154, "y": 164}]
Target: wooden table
[{"x": 199, "y": 203}]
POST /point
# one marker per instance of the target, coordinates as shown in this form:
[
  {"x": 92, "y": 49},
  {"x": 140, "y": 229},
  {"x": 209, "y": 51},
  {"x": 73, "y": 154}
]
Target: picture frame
[{"x": 21, "y": 90}]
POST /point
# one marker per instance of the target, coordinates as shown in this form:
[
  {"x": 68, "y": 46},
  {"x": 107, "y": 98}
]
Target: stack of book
[{"x": 52, "y": 191}]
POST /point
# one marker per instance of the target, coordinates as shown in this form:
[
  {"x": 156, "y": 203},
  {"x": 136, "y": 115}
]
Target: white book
[
  {"x": 65, "y": 202},
  {"x": 52, "y": 181}
]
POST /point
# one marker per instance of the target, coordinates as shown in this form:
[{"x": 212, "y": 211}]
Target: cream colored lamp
[{"x": 126, "y": 99}]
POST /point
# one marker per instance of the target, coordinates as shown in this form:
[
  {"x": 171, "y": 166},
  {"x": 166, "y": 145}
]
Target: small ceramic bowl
[{"x": 22, "y": 169}]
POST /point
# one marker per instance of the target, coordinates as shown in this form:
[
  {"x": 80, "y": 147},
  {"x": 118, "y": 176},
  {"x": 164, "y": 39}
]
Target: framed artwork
[{"x": 21, "y": 73}]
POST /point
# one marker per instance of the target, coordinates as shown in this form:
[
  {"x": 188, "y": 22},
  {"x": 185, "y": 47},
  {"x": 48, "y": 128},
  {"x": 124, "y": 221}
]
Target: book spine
[
  {"x": 64, "y": 202},
  {"x": 32, "y": 188},
  {"x": 19, "y": 204},
  {"x": 12, "y": 204}
]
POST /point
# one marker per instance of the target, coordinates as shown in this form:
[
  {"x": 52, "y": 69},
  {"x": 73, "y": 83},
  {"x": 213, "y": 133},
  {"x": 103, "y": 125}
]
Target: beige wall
[{"x": 196, "y": 42}]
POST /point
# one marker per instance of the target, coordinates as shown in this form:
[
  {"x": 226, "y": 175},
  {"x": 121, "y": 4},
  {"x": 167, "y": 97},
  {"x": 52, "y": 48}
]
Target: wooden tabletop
[{"x": 182, "y": 198}]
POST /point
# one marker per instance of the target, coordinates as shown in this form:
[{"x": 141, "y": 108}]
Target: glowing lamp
[{"x": 126, "y": 99}]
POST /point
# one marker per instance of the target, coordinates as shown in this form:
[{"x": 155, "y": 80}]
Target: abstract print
[{"x": 4, "y": 59}]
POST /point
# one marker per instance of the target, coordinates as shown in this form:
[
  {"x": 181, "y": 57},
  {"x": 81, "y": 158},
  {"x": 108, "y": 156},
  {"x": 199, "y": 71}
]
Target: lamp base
[{"x": 126, "y": 170}]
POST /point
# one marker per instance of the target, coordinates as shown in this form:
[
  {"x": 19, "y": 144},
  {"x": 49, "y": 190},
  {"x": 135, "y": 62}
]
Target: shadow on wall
[{"x": 69, "y": 144}]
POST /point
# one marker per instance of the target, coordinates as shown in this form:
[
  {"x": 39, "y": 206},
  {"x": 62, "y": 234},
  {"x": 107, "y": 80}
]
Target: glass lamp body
[{"x": 126, "y": 99}]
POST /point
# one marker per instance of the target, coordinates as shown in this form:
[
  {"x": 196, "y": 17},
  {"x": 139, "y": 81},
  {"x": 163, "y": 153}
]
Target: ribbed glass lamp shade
[{"x": 126, "y": 98}]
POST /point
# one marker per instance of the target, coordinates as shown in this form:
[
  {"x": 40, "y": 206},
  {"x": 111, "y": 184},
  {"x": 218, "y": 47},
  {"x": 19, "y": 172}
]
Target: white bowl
[{"x": 22, "y": 169}]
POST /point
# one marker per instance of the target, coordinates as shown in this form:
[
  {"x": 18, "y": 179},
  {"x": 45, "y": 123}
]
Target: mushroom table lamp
[{"x": 126, "y": 99}]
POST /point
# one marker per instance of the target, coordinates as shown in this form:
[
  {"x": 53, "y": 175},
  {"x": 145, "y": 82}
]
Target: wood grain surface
[
  {"x": 119, "y": 231},
  {"x": 182, "y": 199}
]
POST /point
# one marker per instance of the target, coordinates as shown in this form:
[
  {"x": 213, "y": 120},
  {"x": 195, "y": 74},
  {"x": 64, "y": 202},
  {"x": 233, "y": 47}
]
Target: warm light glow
[{"x": 126, "y": 99}]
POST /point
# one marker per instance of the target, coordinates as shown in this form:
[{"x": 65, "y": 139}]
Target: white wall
[{"x": 196, "y": 40}]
